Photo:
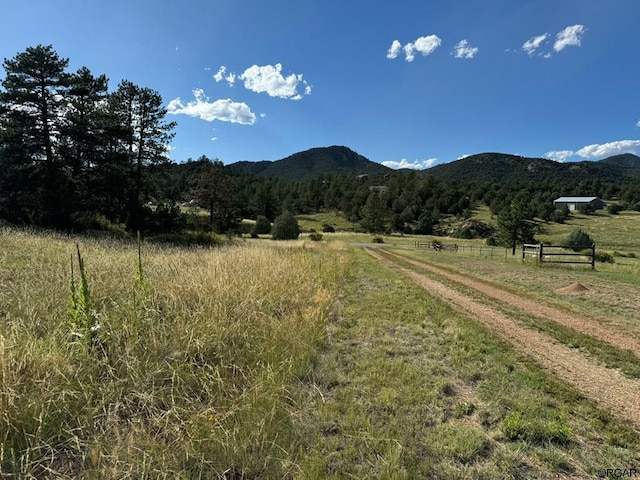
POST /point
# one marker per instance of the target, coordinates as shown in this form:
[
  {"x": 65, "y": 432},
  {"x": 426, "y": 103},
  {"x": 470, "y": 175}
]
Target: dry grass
[{"x": 192, "y": 372}]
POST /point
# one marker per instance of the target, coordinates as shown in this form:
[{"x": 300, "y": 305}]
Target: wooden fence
[{"x": 559, "y": 254}]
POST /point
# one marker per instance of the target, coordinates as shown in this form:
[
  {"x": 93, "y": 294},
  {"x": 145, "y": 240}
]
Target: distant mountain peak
[{"x": 314, "y": 162}]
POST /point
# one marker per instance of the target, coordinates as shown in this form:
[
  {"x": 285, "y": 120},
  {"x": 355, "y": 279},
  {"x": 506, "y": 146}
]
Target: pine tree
[
  {"x": 31, "y": 120},
  {"x": 213, "y": 190},
  {"x": 515, "y": 226},
  {"x": 147, "y": 135}
]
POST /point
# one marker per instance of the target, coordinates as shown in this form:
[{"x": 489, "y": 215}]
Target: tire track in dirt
[
  {"x": 586, "y": 325},
  {"x": 607, "y": 387}
]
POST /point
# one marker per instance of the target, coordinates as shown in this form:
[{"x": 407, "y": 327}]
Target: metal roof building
[{"x": 576, "y": 203}]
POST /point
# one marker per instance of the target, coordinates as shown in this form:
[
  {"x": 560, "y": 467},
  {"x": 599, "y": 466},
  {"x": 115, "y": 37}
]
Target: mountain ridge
[{"x": 481, "y": 167}]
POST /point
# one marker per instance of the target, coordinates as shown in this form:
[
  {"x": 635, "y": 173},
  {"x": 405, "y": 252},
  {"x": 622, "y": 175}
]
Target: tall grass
[{"x": 199, "y": 354}]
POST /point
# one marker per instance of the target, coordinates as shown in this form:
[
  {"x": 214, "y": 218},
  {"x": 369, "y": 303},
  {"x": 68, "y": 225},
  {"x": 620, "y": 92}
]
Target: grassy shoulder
[{"x": 407, "y": 388}]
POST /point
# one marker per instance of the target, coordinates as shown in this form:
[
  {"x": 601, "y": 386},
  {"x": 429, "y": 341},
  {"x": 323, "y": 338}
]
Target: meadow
[{"x": 302, "y": 359}]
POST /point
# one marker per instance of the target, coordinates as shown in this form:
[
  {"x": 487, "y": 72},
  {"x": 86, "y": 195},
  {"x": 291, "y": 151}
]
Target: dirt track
[{"x": 607, "y": 387}]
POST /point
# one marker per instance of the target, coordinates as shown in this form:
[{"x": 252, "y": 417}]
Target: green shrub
[
  {"x": 328, "y": 228},
  {"x": 463, "y": 232},
  {"x": 285, "y": 227},
  {"x": 560, "y": 215},
  {"x": 315, "y": 236},
  {"x": 262, "y": 225},
  {"x": 577, "y": 240},
  {"x": 377, "y": 240},
  {"x": 492, "y": 241},
  {"x": 614, "y": 208}
]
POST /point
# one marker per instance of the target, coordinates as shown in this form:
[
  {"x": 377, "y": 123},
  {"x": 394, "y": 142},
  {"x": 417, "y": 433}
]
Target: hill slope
[
  {"x": 501, "y": 167},
  {"x": 313, "y": 163}
]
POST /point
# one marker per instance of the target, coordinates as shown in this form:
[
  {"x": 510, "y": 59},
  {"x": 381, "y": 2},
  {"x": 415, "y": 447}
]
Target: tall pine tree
[{"x": 31, "y": 120}]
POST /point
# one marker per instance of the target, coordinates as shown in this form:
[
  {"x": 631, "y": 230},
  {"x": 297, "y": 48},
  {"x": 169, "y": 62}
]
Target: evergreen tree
[
  {"x": 140, "y": 112},
  {"x": 213, "y": 190},
  {"x": 374, "y": 213},
  {"x": 31, "y": 119},
  {"x": 514, "y": 226},
  {"x": 84, "y": 139}
]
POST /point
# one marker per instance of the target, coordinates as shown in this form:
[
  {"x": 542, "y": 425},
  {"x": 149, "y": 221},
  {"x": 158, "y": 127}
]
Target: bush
[
  {"x": 167, "y": 218},
  {"x": 577, "y": 240},
  {"x": 614, "y": 208},
  {"x": 262, "y": 225},
  {"x": 463, "y": 232},
  {"x": 492, "y": 241},
  {"x": 377, "y": 240},
  {"x": 315, "y": 236},
  {"x": 328, "y": 228},
  {"x": 560, "y": 216},
  {"x": 285, "y": 227}
]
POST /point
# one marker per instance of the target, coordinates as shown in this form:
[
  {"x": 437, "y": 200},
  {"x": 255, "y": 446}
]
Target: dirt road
[{"x": 607, "y": 387}]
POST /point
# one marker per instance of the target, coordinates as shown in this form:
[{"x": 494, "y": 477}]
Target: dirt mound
[{"x": 573, "y": 289}]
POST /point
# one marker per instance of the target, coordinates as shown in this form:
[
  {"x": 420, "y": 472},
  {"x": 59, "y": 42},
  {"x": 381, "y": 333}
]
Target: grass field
[{"x": 300, "y": 359}]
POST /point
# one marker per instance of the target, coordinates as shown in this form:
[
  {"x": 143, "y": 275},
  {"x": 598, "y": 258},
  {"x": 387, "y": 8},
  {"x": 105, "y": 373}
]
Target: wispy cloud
[
  {"x": 570, "y": 36},
  {"x": 269, "y": 79},
  {"x": 415, "y": 165},
  {"x": 424, "y": 45},
  {"x": 222, "y": 74},
  {"x": 596, "y": 150},
  {"x": 531, "y": 45},
  {"x": 224, "y": 110},
  {"x": 464, "y": 50}
]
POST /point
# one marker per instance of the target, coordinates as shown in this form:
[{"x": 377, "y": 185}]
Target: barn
[{"x": 578, "y": 203}]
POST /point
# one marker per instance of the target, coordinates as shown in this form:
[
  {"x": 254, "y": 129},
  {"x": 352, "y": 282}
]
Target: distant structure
[{"x": 578, "y": 203}]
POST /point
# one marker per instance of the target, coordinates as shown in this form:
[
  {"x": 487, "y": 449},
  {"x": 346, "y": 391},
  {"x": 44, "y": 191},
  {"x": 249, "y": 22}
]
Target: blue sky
[{"x": 405, "y": 83}]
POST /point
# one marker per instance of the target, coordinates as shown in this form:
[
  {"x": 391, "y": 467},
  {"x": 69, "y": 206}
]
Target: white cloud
[
  {"x": 596, "y": 150},
  {"x": 559, "y": 155},
  {"x": 465, "y": 155},
  {"x": 224, "y": 110},
  {"x": 464, "y": 50},
  {"x": 570, "y": 36},
  {"x": 213, "y": 139},
  {"x": 638, "y": 123},
  {"x": 219, "y": 76},
  {"x": 394, "y": 49},
  {"x": 269, "y": 79},
  {"x": 425, "y": 45},
  {"x": 607, "y": 149},
  {"x": 415, "y": 165},
  {"x": 222, "y": 75},
  {"x": 531, "y": 45}
]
